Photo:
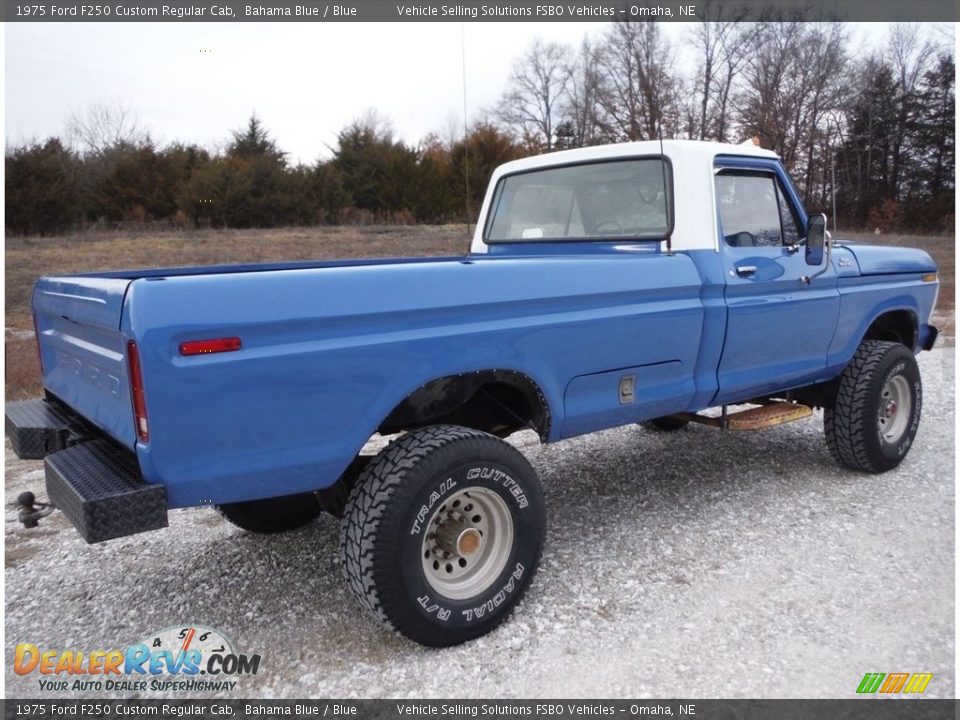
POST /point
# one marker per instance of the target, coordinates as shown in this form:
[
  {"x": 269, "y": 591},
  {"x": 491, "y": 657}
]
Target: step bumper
[
  {"x": 37, "y": 428},
  {"x": 99, "y": 488}
]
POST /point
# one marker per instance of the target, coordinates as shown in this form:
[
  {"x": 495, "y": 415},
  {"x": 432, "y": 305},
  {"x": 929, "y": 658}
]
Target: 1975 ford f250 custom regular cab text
[{"x": 634, "y": 283}]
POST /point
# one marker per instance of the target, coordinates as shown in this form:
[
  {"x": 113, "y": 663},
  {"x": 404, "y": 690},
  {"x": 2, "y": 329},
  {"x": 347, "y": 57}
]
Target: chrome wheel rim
[
  {"x": 467, "y": 543},
  {"x": 896, "y": 405}
]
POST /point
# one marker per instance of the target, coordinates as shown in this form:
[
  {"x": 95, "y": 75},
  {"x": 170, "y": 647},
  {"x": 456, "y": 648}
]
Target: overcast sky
[{"x": 304, "y": 80}]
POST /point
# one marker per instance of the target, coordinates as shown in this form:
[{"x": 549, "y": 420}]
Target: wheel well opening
[
  {"x": 895, "y": 326},
  {"x": 499, "y": 402}
]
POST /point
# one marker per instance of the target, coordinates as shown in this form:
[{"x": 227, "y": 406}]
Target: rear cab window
[{"x": 612, "y": 200}]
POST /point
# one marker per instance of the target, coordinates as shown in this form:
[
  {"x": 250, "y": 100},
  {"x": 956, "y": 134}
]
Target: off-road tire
[
  {"x": 386, "y": 523},
  {"x": 850, "y": 423},
  {"x": 273, "y": 515},
  {"x": 667, "y": 423}
]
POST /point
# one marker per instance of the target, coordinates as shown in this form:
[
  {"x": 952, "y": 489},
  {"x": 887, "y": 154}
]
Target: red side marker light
[{"x": 205, "y": 347}]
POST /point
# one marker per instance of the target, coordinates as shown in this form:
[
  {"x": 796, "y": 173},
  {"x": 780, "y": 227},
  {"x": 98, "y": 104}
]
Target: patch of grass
[{"x": 29, "y": 258}]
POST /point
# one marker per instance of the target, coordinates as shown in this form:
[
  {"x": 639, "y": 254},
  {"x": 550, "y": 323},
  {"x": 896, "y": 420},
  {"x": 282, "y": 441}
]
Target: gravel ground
[{"x": 696, "y": 564}]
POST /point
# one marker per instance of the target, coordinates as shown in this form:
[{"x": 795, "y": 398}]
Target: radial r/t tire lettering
[{"x": 443, "y": 533}]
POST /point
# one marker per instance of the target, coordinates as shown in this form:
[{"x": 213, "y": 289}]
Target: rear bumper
[
  {"x": 94, "y": 482},
  {"x": 100, "y": 489},
  {"x": 37, "y": 428},
  {"x": 928, "y": 336}
]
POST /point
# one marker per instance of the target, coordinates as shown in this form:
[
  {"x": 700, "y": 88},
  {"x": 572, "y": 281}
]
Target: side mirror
[{"x": 816, "y": 239}]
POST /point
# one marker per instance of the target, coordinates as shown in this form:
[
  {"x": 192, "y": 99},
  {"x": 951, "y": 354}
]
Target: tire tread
[
  {"x": 845, "y": 422},
  {"x": 369, "y": 499}
]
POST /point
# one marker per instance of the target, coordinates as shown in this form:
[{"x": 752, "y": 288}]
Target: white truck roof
[{"x": 695, "y": 226}]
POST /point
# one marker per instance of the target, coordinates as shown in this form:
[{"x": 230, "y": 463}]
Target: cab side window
[
  {"x": 753, "y": 210},
  {"x": 791, "y": 231}
]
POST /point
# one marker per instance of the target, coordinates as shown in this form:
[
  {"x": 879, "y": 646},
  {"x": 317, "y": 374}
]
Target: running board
[{"x": 756, "y": 418}]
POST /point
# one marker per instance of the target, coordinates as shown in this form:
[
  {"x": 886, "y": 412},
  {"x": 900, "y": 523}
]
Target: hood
[{"x": 887, "y": 260}]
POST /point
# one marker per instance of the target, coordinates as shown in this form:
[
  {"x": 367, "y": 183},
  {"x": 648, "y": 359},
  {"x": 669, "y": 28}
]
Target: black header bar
[
  {"x": 473, "y": 11},
  {"x": 860, "y": 709}
]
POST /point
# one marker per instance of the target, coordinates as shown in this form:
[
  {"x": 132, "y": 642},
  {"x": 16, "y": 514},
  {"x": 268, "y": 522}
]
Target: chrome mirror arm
[{"x": 828, "y": 245}]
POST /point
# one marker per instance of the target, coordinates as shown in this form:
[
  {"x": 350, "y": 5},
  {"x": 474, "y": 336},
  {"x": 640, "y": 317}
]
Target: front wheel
[
  {"x": 874, "y": 418},
  {"x": 443, "y": 533}
]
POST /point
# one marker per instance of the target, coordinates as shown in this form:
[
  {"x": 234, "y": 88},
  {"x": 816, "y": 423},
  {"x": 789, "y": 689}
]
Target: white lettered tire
[{"x": 443, "y": 533}]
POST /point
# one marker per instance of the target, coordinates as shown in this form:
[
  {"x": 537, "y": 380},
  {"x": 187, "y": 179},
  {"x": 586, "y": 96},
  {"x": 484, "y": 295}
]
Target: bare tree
[
  {"x": 911, "y": 55},
  {"x": 736, "y": 47},
  {"x": 582, "y": 124},
  {"x": 638, "y": 90},
  {"x": 100, "y": 127},
  {"x": 536, "y": 92},
  {"x": 792, "y": 79},
  {"x": 764, "y": 97},
  {"x": 721, "y": 40},
  {"x": 822, "y": 62}
]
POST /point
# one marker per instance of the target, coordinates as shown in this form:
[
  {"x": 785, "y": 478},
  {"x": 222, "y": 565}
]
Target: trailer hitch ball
[{"x": 30, "y": 511}]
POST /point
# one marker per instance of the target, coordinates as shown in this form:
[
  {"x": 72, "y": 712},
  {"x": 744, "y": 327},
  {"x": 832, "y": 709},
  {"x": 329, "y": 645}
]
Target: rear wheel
[
  {"x": 273, "y": 515},
  {"x": 443, "y": 533},
  {"x": 874, "y": 418}
]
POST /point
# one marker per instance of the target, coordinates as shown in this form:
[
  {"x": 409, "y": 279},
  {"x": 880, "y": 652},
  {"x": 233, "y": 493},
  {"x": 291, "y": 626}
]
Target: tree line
[
  {"x": 54, "y": 187},
  {"x": 876, "y": 129}
]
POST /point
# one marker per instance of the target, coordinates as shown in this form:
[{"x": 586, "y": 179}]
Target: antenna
[
  {"x": 466, "y": 139},
  {"x": 663, "y": 170}
]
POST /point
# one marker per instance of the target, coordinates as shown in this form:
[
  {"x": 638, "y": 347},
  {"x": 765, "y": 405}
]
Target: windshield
[{"x": 598, "y": 201}]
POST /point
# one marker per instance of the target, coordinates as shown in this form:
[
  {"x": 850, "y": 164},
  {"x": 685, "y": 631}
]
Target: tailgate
[{"x": 82, "y": 349}]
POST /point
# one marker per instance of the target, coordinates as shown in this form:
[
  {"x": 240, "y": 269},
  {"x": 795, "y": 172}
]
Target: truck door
[{"x": 778, "y": 326}]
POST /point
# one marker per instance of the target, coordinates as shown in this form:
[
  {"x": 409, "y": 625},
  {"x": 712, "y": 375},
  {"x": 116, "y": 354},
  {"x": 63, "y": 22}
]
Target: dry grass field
[{"x": 29, "y": 258}]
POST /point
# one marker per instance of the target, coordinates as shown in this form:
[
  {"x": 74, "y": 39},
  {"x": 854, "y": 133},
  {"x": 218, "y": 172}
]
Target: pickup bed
[{"x": 635, "y": 283}]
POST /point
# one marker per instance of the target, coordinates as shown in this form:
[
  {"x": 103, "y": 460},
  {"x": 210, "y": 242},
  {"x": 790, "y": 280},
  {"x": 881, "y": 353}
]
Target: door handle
[{"x": 746, "y": 270}]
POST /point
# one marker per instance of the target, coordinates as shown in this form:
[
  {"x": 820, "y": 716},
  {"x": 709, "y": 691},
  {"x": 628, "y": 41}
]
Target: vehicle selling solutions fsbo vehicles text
[{"x": 542, "y": 11}]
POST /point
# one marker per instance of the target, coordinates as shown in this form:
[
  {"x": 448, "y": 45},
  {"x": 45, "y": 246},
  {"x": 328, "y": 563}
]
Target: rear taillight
[
  {"x": 36, "y": 335},
  {"x": 136, "y": 392}
]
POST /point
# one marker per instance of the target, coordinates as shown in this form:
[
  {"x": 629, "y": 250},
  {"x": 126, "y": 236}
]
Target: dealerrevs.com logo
[
  {"x": 186, "y": 658},
  {"x": 894, "y": 683}
]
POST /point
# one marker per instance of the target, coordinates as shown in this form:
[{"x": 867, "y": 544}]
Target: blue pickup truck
[{"x": 659, "y": 283}]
